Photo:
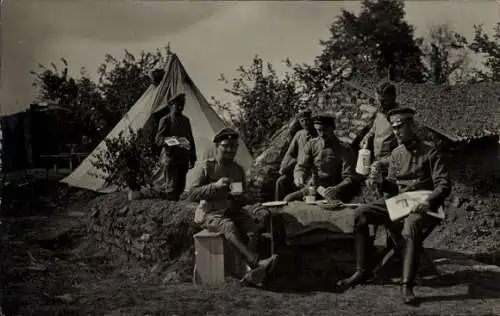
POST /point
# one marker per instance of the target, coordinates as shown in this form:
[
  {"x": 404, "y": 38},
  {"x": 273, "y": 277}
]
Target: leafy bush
[
  {"x": 92, "y": 109},
  {"x": 128, "y": 160},
  {"x": 264, "y": 102}
]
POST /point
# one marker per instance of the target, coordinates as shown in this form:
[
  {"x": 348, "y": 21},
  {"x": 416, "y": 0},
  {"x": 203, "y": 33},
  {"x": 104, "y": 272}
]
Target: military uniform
[
  {"x": 413, "y": 166},
  {"x": 381, "y": 138},
  {"x": 224, "y": 211},
  {"x": 330, "y": 163},
  {"x": 297, "y": 145},
  {"x": 170, "y": 178}
]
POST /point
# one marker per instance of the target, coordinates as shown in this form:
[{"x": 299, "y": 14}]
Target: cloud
[
  {"x": 30, "y": 29},
  {"x": 121, "y": 21}
]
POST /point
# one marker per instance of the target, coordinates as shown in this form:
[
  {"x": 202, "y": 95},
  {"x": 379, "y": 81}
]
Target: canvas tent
[{"x": 204, "y": 121}]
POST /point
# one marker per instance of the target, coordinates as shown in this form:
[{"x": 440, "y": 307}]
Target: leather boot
[
  {"x": 253, "y": 242},
  {"x": 362, "y": 246},
  {"x": 250, "y": 258},
  {"x": 410, "y": 266}
]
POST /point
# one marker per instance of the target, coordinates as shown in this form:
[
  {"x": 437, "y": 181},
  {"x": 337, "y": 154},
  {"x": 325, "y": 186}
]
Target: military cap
[
  {"x": 324, "y": 119},
  {"x": 176, "y": 97},
  {"x": 386, "y": 87},
  {"x": 304, "y": 113},
  {"x": 400, "y": 115},
  {"x": 225, "y": 133}
]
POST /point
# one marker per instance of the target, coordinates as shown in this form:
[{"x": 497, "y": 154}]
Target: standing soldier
[
  {"x": 223, "y": 205},
  {"x": 413, "y": 165},
  {"x": 175, "y": 161},
  {"x": 381, "y": 139},
  {"x": 284, "y": 184}
]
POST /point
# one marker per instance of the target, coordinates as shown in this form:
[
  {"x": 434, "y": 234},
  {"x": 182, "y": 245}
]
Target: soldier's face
[
  {"x": 227, "y": 148},
  {"x": 404, "y": 132},
  {"x": 386, "y": 101},
  {"x": 324, "y": 131},
  {"x": 178, "y": 107},
  {"x": 305, "y": 122}
]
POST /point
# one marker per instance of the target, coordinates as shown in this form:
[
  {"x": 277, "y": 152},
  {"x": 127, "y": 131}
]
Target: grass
[{"x": 90, "y": 283}]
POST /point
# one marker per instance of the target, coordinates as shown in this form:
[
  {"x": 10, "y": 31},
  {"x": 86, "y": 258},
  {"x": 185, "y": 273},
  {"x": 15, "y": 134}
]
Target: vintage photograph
[{"x": 250, "y": 157}]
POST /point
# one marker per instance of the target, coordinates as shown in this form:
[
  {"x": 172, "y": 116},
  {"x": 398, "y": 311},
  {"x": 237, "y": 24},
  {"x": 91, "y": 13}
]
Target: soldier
[
  {"x": 413, "y": 165},
  {"x": 381, "y": 139},
  {"x": 284, "y": 184},
  {"x": 224, "y": 213},
  {"x": 330, "y": 163},
  {"x": 175, "y": 160}
]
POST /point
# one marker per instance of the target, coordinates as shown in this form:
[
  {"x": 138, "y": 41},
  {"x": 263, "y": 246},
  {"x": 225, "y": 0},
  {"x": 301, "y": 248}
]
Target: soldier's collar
[{"x": 413, "y": 145}]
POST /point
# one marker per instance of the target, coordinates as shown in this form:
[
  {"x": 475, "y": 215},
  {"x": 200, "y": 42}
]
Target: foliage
[
  {"x": 489, "y": 47},
  {"x": 122, "y": 82},
  {"x": 77, "y": 97},
  {"x": 93, "y": 109},
  {"x": 376, "y": 42},
  {"x": 127, "y": 160},
  {"x": 264, "y": 101},
  {"x": 447, "y": 54}
]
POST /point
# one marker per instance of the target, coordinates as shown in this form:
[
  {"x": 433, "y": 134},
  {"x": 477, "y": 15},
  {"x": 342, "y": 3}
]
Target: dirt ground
[{"x": 51, "y": 267}]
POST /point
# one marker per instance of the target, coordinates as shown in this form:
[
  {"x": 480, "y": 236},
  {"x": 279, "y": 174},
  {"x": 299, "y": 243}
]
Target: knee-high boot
[
  {"x": 410, "y": 267},
  {"x": 362, "y": 251}
]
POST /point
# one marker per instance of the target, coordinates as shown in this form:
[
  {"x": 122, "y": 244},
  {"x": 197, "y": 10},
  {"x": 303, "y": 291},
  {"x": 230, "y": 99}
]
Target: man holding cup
[
  {"x": 329, "y": 161},
  {"x": 414, "y": 165},
  {"x": 220, "y": 183}
]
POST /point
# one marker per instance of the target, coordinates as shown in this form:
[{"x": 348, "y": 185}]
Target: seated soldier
[
  {"x": 330, "y": 163},
  {"x": 224, "y": 214},
  {"x": 413, "y": 165},
  {"x": 284, "y": 184}
]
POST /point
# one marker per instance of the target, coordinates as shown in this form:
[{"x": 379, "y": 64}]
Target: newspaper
[{"x": 401, "y": 205}]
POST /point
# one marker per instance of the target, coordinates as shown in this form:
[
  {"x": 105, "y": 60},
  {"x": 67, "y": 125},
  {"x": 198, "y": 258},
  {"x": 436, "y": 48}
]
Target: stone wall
[{"x": 354, "y": 114}]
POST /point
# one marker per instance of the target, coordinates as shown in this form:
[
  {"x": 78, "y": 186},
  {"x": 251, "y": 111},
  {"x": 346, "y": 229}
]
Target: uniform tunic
[
  {"x": 331, "y": 163},
  {"x": 284, "y": 184},
  {"x": 295, "y": 149},
  {"x": 382, "y": 136},
  {"x": 224, "y": 211},
  {"x": 411, "y": 168},
  {"x": 174, "y": 161},
  {"x": 418, "y": 167}
]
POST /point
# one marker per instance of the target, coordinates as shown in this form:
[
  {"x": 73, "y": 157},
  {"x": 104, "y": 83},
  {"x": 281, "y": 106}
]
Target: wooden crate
[{"x": 214, "y": 259}]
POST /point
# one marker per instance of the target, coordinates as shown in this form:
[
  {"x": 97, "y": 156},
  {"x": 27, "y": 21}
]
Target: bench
[{"x": 214, "y": 259}]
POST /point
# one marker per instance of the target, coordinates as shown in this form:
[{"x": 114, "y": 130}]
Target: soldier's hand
[
  {"x": 330, "y": 193},
  {"x": 298, "y": 181},
  {"x": 223, "y": 183},
  {"x": 371, "y": 184},
  {"x": 363, "y": 145},
  {"x": 422, "y": 208},
  {"x": 376, "y": 172}
]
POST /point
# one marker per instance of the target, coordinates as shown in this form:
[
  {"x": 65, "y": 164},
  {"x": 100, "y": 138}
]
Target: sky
[{"x": 209, "y": 37}]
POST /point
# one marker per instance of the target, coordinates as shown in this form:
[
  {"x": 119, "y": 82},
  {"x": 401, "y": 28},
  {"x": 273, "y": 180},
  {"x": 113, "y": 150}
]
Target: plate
[
  {"x": 275, "y": 203},
  {"x": 321, "y": 202}
]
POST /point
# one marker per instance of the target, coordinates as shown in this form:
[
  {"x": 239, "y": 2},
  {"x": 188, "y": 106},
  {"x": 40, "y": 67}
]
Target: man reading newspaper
[{"x": 413, "y": 166}]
